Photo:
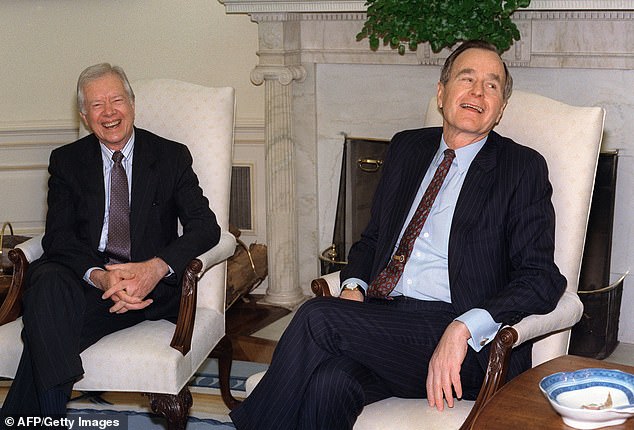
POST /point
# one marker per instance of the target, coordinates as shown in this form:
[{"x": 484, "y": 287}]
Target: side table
[{"x": 521, "y": 405}]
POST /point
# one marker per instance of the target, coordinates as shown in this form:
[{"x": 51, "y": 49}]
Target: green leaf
[
  {"x": 440, "y": 22},
  {"x": 374, "y": 43}
]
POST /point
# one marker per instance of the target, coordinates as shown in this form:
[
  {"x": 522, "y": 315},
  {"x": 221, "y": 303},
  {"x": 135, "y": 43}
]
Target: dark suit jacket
[
  {"x": 501, "y": 242},
  {"x": 164, "y": 190}
]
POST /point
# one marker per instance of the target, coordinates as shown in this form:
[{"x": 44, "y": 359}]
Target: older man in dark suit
[
  {"x": 460, "y": 241},
  {"x": 112, "y": 253}
]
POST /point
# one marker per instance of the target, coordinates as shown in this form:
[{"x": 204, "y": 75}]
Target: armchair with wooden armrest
[
  {"x": 156, "y": 357},
  {"x": 569, "y": 138},
  {"x": 565, "y": 315}
]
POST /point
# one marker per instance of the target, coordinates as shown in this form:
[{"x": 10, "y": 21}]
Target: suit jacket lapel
[
  {"x": 473, "y": 195},
  {"x": 144, "y": 182},
  {"x": 412, "y": 173},
  {"x": 92, "y": 165}
]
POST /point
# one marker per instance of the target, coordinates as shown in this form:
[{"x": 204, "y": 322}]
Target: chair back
[
  {"x": 569, "y": 138},
  {"x": 203, "y": 119}
]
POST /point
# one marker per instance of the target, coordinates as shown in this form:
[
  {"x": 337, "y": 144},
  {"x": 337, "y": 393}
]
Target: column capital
[{"x": 284, "y": 74}]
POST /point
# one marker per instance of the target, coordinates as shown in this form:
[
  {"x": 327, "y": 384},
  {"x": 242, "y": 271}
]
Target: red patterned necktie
[
  {"x": 385, "y": 282},
  {"x": 118, "y": 247}
]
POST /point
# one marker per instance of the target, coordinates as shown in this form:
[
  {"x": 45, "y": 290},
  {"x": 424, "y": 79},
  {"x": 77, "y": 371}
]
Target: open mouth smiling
[
  {"x": 111, "y": 124},
  {"x": 472, "y": 107}
]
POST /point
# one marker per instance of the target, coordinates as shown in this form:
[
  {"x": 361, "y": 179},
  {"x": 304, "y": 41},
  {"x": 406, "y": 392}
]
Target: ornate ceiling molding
[
  {"x": 264, "y": 6},
  {"x": 581, "y": 5}
]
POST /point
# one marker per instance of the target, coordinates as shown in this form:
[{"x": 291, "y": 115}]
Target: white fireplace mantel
[{"x": 296, "y": 37}]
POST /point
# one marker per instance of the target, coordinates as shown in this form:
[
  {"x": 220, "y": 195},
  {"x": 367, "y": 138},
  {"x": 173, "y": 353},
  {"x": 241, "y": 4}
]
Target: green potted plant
[{"x": 442, "y": 23}]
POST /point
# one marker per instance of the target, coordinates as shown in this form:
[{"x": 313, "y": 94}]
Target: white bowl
[{"x": 568, "y": 392}]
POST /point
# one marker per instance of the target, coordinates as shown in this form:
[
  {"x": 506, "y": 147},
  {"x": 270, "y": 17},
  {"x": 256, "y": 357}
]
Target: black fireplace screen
[{"x": 361, "y": 164}]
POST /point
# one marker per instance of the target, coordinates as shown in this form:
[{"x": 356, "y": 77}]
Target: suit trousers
[
  {"x": 337, "y": 356},
  {"x": 63, "y": 315}
]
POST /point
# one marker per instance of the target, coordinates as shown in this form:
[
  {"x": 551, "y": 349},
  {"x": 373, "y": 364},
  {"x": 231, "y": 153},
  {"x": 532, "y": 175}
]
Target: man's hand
[
  {"x": 444, "y": 367},
  {"x": 355, "y": 295},
  {"x": 128, "y": 284}
]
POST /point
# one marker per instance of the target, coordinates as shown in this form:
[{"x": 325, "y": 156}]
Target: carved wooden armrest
[
  {"x": 12, "y": 306},
  {"x": 495, "y": 377},
  {"x": 320, "y": 287},
  {"x": 225, "y": 248},
  {"x": 328, "y": 285},
  {"x": 182, "y": 339}
]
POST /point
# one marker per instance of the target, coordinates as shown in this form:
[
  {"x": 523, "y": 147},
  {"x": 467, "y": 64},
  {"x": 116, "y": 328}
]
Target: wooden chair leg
[
  {"x": 174, "y": 408},
  {"x": 224, "y": 353}
]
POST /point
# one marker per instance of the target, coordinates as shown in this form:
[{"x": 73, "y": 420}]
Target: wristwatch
[{"x": 352, "y": 286}]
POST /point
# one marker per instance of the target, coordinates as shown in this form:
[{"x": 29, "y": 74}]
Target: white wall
[{"x": 44, "y": 45}]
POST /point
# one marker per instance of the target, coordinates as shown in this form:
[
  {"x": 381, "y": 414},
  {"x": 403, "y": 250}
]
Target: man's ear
[
  {"x": 499, "y": 118},
  {"x": 84, "y": 120}
]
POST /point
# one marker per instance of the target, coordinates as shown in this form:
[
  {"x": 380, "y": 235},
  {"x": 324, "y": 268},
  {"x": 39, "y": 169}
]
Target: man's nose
[
  {"x": 478, "y": 88},
  {"x": 109, "y": 108}
]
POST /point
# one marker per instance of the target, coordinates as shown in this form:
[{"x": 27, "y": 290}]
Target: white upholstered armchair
[
  {"x": 569, "y": 138},
  {"x": 157, "y": 357}
]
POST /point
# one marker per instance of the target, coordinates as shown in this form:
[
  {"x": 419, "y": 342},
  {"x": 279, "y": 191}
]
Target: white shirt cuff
[
  {"x": 357, "y": 281},
  {"x": 87, "y": 275},
  {"x": 481, "y": 326}
]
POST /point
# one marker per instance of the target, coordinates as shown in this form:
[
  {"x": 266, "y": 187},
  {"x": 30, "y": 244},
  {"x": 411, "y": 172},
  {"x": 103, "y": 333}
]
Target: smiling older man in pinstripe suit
[{"x": 416, "y": 322}]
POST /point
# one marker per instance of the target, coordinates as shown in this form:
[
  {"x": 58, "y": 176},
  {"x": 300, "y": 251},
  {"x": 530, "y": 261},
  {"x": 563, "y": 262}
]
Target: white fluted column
[{"x": 281, "y": 197}]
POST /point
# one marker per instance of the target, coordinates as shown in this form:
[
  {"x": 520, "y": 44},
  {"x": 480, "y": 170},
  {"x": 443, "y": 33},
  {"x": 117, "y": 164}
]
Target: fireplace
[{"x": 321, "y": 83}]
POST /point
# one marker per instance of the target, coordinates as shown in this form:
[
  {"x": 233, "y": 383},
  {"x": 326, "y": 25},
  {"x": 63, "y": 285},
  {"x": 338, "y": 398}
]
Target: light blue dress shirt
[{"x": 426, "y": 273}]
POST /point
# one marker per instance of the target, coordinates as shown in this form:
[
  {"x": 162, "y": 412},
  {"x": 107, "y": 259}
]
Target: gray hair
[
  {"x": 445, "y": 74},
  {"x": 95, "y": 72}
]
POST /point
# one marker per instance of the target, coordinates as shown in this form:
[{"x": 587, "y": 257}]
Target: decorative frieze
[{"x": 269, "y": 6}]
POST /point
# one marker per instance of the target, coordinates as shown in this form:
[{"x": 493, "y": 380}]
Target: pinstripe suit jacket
[{"x": 501, "y": 242}]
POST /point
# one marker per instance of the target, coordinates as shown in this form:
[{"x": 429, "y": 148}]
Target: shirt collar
[
  {"x": 127, "y": 149},
  {"x": 464, "y": 155}
]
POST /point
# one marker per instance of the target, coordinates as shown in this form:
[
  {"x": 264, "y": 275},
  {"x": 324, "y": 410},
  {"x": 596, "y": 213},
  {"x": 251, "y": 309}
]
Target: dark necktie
[
  {"x": 118, "y": 247},
  {"x": 385, "y": 282}
]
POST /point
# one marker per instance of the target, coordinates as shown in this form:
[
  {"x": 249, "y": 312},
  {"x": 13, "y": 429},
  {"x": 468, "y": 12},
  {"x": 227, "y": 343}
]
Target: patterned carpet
[{"x": 131, "y": 411}]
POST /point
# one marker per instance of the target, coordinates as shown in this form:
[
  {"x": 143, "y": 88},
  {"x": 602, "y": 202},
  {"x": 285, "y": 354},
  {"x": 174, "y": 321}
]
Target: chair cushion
[
  {"x": 402, "y": 414},
  {"x": 9, "y": 348},
  {"x": 411, "y": 414},
  {"x": 136, "y": 359}
]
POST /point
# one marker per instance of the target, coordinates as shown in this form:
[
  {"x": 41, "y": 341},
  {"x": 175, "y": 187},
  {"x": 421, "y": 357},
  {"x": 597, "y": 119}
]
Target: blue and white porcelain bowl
[{"x": 581, "y": 397}]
